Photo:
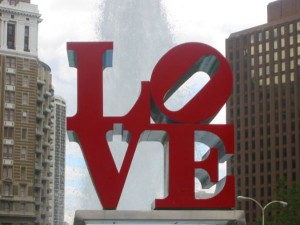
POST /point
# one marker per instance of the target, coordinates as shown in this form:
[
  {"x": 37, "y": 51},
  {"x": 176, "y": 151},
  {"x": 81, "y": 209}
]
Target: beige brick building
[{"x": 26, "y": 127}]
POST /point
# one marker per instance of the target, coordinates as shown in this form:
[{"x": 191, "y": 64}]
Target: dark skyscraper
[{"x": 265, "y": 104}]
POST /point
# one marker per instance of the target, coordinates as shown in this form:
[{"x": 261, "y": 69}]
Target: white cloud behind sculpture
[{"x": 209, "y": 22}]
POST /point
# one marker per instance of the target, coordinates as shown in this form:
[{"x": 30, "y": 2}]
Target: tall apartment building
[
  {"x": 59, "y": 140},
  {"x": 26, "y": 126},
  {"x": 265, "y": 104}
]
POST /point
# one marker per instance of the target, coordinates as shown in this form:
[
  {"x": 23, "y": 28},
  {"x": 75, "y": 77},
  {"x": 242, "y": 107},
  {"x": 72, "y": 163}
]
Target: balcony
[
  {"x": 39, "y": 150},
  {"x": 46, "y": 161},
  {"x": 8, "y": 162},
  {"x": 47, "y": 94},
  {"x": 38, "y": 166},
  {"x": 9, "y": 124},
  {"x": 11, "y": 70},
  {"x": 8, "y": 141},
  {"x": 40, "y": 82},
  {"x": 47, "y": 127},
  {"x": 40, "y": 99},
  {"x": 39, "y": 132},
  {"x": 46, "y": 111},
  {"x": 38, "y": 183},
  {"x": 9, "y": 106},
  {"x": 46, "y": 144},
  {"x": 10, "y": 87},
  {"x": 39, "y": 116}
]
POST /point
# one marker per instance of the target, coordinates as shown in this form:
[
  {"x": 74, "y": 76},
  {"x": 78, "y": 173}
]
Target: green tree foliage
[{"x": 289, "y": 215}]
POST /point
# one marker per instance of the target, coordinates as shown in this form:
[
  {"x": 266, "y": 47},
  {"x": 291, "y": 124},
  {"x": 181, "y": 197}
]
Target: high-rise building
[
  {"x": 59, "y": 140},
  {"x": 265, "y": 104},
  {"x": 27, "y": 135}
]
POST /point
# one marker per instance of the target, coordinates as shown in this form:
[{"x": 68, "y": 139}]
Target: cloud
[{"x": 209, "y": 22}]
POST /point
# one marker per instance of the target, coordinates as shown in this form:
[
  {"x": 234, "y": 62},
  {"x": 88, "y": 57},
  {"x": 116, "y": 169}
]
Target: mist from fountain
[{"x": 141, "y": 34}]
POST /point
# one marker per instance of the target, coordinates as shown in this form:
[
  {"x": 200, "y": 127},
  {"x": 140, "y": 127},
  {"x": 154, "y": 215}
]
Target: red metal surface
[{"x": 91, "y": 127}]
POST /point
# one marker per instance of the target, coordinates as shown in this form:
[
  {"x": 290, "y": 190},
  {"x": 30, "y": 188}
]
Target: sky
[{"x": 209, "y": 22}]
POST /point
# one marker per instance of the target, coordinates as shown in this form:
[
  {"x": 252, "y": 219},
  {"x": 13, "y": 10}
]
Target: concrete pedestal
[{"x": 165, "y": 217}]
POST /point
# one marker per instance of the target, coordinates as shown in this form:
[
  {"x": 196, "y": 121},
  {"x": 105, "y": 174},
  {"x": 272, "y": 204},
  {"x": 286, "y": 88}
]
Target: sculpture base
[{"x": 199, "y": 217}]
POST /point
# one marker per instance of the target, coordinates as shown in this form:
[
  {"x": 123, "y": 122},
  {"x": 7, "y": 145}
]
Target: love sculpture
[{"x": 176, "y": 130}]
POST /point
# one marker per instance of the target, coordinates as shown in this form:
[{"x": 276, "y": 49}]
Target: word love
[{"x": 178, "y": 131}]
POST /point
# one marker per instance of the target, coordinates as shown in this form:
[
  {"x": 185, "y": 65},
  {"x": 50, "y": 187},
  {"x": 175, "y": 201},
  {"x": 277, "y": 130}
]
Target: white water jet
[{"x": 141, "y": 34}]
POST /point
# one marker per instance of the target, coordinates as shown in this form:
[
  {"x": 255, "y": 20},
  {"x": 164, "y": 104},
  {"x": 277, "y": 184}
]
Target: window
[
  {"x": 26, "y": 64},
  {"x": 23, "y": 173},
  {"x": 26, "y": 39},
  {"x": 7, "y": 151},
  {"x": 260, "y": 36},
  {"x": 291, "y": 52},
  {"x": 9, "y": 115},
  {"x": 282, "y": 54},
  {"x": 11, "y": 30},
  {"x": 24, "y": 133},
  {"x": 24, "y": 117},
  {"x": 275, "y": 56},
  {"x": 22, "y": 190},
  {"x": 25, "y": 81},
  {"x": 282, "y": 30},
  {"x": 7, "y": 189},
  {"x": 8, "y": 132},
  {"x": 9, "y": 97},
  {"x": 291, "y": 28},
  {"x": 267, "y": 46},
  {"x": 260, "y": 48},
  {"x": 267, "y": 35},
  {"x": 22, "y": 206},
  {"x": 23, "y": 153},
  {"x": 275, "y": 44},
  {"x": 252, "y": 38},
  {"x": 7, "y": 172},
  {"x": 282, "y": 42},
  {"x": 275, "y": 32},
  {"x": 252, "y": 50},
  {"x": 11, "y": 62},
  {"x": 291, "y": 40},
  {"x": 25, "y": 98},
  {"x": 267, "y": 58},
  {"x": 10, "y": 79},
  {"x": 7, "y": 206},
  {"x": 283, "y": 66}
]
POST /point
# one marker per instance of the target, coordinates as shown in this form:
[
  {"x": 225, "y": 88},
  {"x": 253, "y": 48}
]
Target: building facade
[
  {"x": 265, "y": 105},
  {"x": 59, "y": 140},
  {"x": 27, "y": 112}
]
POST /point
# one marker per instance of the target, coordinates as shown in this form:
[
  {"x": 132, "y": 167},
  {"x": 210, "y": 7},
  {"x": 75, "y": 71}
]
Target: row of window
[
  {"x": 9, "y": 133},
  {"x": 266, "y": 155},
  {"x": 10, "y": 79},
  {"x": 279, "y": 166},
  {"x": 8, "y": 190},
  {"x": 266, "y": 47},
  {"x": 267, "y": 143},
  {"x": 11, "y": 36},
  {"x": 10, "y": 97},
  {"x": 277, "y": 31},
  {"x": 260, "y": 36},
  {"x": 8, "y": 151},
  {"x": 9, "y": 115},
  {"x": 7, "y": 172},
  {"x": 10, "y": 63},
  {"x": 8, "y": 207}
]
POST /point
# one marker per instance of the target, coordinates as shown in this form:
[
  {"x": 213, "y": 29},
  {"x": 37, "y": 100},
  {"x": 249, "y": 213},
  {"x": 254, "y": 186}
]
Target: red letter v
[{"x": 89, "y": 127}]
